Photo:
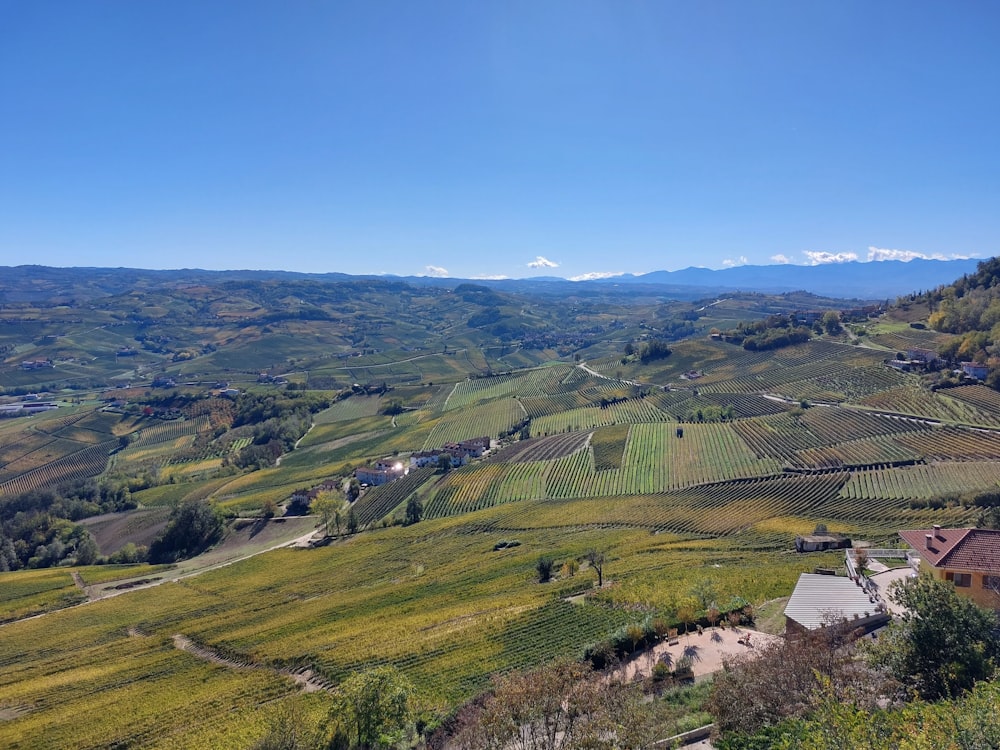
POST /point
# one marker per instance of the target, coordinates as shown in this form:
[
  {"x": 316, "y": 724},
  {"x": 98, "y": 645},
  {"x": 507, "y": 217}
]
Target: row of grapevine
[
  {"x": 954, "y": 443},
  {"x": 833, "y": 425},
  {"x": 490, "y": 419},
  {"x": 864, "y": 452},
  {"x": 83, "y": 464},
  {"x": 528, "y": 383},
  {"x": 542, "y": 448},
  {"x": 540, "y": 406},
  {"x": 922, "y": 481},
  {"x": 41, "y": 456},
  {"x": 630, "y": 411},
  {"x": 747, "y": 405},
  {"x": 379, "y": 501},
  {"x": 163, "y": 431},
  {"x": 983, "y": 398},
  {"x": 487, "y": 484},
  {"x": 348, "y": 409},
  {"x": 921, "y": 402},
  {"x": 776, "y": 437},
  {"x": 656, "y": 460}
]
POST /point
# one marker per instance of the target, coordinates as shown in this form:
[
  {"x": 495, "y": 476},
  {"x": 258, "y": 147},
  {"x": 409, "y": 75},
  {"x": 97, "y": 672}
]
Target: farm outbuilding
[
  {"x": 826, "y": 601},
  {"x": 821, "y": 542}
]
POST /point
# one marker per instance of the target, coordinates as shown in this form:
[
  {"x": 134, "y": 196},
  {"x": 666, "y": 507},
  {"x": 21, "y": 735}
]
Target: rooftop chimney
[
  {"x": 928, "y": 539},
  {"x": 937, "y": 532}
]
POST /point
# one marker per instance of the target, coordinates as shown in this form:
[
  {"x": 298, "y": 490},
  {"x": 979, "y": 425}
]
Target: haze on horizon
[{"x": 572, "y": 139}]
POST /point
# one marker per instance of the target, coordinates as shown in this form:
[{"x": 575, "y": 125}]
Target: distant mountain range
[
  {"x": 877, "y": 280},
  {"x": 873, "y": 280}
]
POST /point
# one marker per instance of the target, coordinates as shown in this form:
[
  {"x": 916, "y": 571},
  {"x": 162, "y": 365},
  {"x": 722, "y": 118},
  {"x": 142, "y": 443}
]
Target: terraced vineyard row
[
  {"x": 632, "y": 411},
  {"x": 775, "y": 437},
  {"x": 919, "y": 402},
  {"x": 485, "y": 485},
  {"x": 161, "y": 431},
  {"x": 747, "y": 405},
  {"x": 30, "y": 451},
  {"x": 924, "y": 481},
  {"x": 858, "y": 383},
  {"x": 52, "y": 426},
  {"x": 655, "y": 460},
  {"x": 953, "y": 443},
  {"x": 983, "y": 398},
  {"x": 83, "y": 464},
  {"x": 527, "y": 383},
  {"x": 723, "y": 509},
  {"x": 351, "y": 408},
  {"x": 542, "y": 448},
  {"x": 827, "y": 375},
  {"x": 490, "y": 418},
  {"x": 864, "y": 452},
  {"x": 379, "y": 501},
  {"x": 833, "y": 425},
  {"x": 541, "y": 406}
]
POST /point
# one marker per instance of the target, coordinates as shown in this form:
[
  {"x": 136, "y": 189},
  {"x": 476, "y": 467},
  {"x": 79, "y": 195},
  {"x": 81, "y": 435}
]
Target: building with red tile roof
[{"x": 970, "y": 558}]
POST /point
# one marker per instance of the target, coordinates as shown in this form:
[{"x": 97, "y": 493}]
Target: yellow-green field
[{"x": 703, "y": 485}]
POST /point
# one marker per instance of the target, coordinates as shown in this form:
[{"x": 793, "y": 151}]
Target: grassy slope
[{"x": 434, "y": 598}]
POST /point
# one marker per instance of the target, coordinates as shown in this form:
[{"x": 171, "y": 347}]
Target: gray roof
[{"x": 819, "y": 600}]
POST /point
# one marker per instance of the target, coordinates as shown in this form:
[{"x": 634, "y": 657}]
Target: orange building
[{"x": 970, "y": 558}]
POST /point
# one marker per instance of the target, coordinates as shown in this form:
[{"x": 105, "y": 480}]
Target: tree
[
  {"x": 330, "y": 507},
  {"x": 831, "y": 323},
  {"x": 414, "y": 510},
  {"x": 193, "y": 526},
  {"x": 444, "y": 463},
  {"x": 353, "y": 489},
  {"x": 374, "y": 707},
  {"x": 781, "y": 679},
  {"x": 943, "y": 643},
  {"x": 544, "y": 568},
  {"x": 569, "y": 568},
  {"x": 686, "y": 614},
  {"x": 87, "y": 551},
  {"x": 352, "y": 521},
  {"x": 596, "y": 560},
  {"x": 561, "y": 705}
]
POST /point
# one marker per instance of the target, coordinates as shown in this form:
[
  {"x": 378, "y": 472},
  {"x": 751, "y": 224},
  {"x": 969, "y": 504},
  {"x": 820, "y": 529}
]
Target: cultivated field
[{"x": 694, "y": 472}]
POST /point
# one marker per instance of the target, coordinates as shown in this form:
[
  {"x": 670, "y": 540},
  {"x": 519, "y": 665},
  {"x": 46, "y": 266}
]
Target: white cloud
[
  {"x": 541, "y": 262},
  {"x": 484, "y": 277},
  {"x": 819, "y": 257},
  {"x": 881, "y": 253},
  {"x": 436, "y": 271},
  {"x": 593, "y": 275},
  {"x": 730, "y": 263},
  {"x": 782, "y": 259}
]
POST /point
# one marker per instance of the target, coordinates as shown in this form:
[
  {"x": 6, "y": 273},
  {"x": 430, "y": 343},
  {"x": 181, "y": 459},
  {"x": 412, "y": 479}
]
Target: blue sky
[{"x": 496, "y": 139}]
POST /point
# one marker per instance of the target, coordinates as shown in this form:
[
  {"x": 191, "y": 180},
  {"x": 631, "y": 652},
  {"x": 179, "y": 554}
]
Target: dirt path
[
  {"x": 101, "y": 591},
  {"x": 308, "y": 680}
]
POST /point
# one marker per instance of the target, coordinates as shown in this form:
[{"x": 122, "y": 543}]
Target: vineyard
[
  {"x": 83, "y": 464},
  {"x": 351, "y": 408},
  {"x": 488, "y": 419},
  {"x": 541, "y": 449},
  {"x": 938, "y": 480},
  {"x": 702, "y": 466},
  {"x": 380, "y": 501}
]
